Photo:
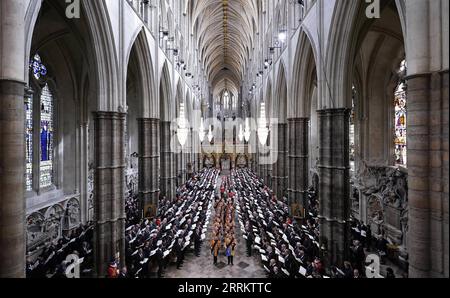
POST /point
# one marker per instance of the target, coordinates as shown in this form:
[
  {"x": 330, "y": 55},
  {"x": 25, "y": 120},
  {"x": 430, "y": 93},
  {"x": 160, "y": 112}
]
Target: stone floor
[{"x": 202, "y": 267}]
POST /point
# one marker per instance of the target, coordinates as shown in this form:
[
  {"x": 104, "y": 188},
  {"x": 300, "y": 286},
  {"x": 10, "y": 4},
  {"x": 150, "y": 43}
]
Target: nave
[
  {"x": 175, "y": 244},
  {"x": 203, "y": 267},
  {"x": 113, "y": 112}
]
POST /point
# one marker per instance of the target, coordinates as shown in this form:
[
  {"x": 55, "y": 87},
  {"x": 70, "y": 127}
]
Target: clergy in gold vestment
[{"x": 215, "y": 247}]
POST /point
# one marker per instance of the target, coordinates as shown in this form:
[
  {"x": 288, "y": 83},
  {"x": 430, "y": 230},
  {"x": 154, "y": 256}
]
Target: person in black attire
[
  {"x": 390, "y": 273},
  {"x": 249, "y": 244},
  {"x": 160, "y": 261},
  {"x": 61, "y": 270},
  {"x": 348, "y": 270},
  {"x": 139, "y": 257},
  {"x": 382, "y": 244},
  {"x": 363, "y": 239},
  {"x": 197, "y": 240},
  {"x": 270, "y": 253},
  {"x": 302, "y": 256},
  {"x": 29, "y": 269},
  {"x": 179, "y": 253},
  {"x": 290, "y": 264},
  {"x": 276, "y": 274},
  {"x": 359, "y": 255},
  {"x": 85, "y": 250},
  {"x": 369, "y": 237},
  {"x": 147, "y": 249},
  {"x": 123, "y": 273}
]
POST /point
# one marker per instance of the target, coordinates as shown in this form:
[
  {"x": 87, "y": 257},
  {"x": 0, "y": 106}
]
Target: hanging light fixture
[
  {"x": 263, "y": 130},
  {"x": 247, "y": 132},
  {"x": 282, "y": 35},
  {"x": 202, "y": 133},
  {"x": 241, "y": 134},
  {"x": 210, "y": 134},
  {"x": 182, "y": 131}
]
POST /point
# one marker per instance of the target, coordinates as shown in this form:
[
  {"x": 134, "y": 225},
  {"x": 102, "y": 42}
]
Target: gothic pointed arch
[
  {"x": 139, "y": 58},
  {"x": 304, "y": 74},
  {"x": 166, "y": 106},
  {"x": 280, "y": 106}
]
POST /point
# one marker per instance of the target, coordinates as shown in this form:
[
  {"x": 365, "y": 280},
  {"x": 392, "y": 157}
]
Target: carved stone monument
[{"x": 384, "y": 192}]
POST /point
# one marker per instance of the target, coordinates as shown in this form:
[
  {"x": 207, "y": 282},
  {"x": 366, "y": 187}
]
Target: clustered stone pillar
[
  {"x": 334, "y": 183},
  {"x": 262, "y": 166},
  {"x": 168, "y": 166},
  {"x": 190, "y": 169},
  {"x": 264, "y": 162},
  {"x": 109, "y": 189},
  {"x": 298, "y": 162},
  {"x": 12, "y": 141},
  {"x": 268, "y": 171},
  {"x": 428, "y": 158},
  {"x": 180, "y": 163},
  {"x": 279, "y": 173},
  {"x": 178, "y": 171},
  {"x": 197, "y": 151},
  {"x": 149, "y": 164},
  {"x": 428, "y": 174},
  {"x": 12, "y": 218},
  {"x": 181, "y": 166},
  {"x": 257, "y": 167},
  {"x": 254, "y": 162},
  {"x": 184, "y": 164},
  {"x": 12, "y": 172}
]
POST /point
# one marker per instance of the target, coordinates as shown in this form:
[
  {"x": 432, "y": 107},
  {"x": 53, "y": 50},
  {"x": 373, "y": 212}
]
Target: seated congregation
[{"x": 281, "y": 244}]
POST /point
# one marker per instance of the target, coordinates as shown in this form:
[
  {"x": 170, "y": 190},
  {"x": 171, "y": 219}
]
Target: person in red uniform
[{"x": 113, "y": 272}]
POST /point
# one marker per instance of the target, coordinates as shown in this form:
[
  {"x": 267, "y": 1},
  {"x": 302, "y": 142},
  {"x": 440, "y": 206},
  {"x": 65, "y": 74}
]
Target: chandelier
[
  {"x": 241, "y": 134},
  {"x": 183, "y": 130},
  {"x": 247, "y": 132},
  {"x": 263, "y": 130},
  {"x": 210, "y": 134},
  {"x": 202, "y": 133}
]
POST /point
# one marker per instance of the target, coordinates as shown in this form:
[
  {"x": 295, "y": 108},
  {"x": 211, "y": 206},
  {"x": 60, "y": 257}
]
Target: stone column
[
  {"x": 263, "y": 160},
  {"x": 279, "y": 171},
  {"x": 12, "y": 169},
  {"x": 181, "y": 165},
  {"x": 167, "y": 162},
  {"x": 149, "y": 163},
  {"x": 298, "y": 161},
  {"x": 268, "y": 167},
  {"x": 109, "y": 189},
  {"x": 12, "y": 143},
  {"x": 185, "y": 161},
  {"x": 428, "y": 158},
  {"x": 190, "y": 153},
  {"x": 334, "y": 183},
  {"x": 254, "y": 162},
  {"x": 261, "y": 167},
  {"x": 428, "y": 174}
]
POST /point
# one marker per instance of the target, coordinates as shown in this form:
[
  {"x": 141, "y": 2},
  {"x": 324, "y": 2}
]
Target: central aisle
[{"x": 202, "y": 267}]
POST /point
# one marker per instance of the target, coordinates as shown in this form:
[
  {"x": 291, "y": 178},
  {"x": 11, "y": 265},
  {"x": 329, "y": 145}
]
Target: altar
[{"x": 225, "y": 163}]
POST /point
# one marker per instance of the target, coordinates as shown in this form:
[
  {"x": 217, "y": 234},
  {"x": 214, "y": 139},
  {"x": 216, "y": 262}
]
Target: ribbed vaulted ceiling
[{"x": 225, "y": 30}]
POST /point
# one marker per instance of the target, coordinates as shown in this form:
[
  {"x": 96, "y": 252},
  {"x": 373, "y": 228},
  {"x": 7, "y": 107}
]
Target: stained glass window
[
  {"x": 44, "y": 134},
  {"x": 37, "y": 68},
  {"x": 352, "y": 131},
  {"x": 29, "y": 141},
  {"x": 400, "y": 104},
  {"x": 226, "y": 100},
  {"x": 46, "y": 138}
]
